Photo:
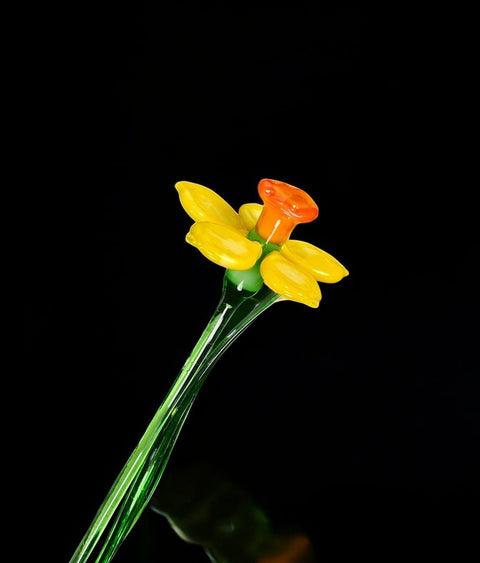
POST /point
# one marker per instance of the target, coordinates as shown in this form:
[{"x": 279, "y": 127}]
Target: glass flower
[
  {"x": 263, "y": 266},
  {"x": 254, "y": 244}
]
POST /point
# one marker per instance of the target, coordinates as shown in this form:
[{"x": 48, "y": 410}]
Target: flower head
[{"x": 254, "y": 244}]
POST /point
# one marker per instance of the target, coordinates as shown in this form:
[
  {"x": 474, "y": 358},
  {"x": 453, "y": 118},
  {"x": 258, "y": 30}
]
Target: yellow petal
[
  {"x": 204, "y": 205},
  {"x": 224, "y": 245},
  {"x": 250, "y": 212},
  {"x": 323, "y": 266},
  {"x": 289, "y": 280}
]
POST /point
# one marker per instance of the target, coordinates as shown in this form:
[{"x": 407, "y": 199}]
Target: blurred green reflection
[{"x": 205, "y": 507}]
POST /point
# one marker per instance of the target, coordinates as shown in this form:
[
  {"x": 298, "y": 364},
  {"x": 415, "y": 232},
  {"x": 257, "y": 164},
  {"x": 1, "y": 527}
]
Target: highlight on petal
[
  {"x": 250, "y": 212},
  {"x": 204, "y": 205},
  {"x": 289, "y": 280},
  {"x": 224, "y": 245},
  {"x": 323, "y": 266}
]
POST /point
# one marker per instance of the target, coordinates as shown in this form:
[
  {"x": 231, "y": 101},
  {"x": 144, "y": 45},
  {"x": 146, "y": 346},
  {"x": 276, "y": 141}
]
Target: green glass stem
[{"x": 136, "y": 483}]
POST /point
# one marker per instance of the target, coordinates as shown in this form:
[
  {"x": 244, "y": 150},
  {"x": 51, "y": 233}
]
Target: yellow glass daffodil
[
  {"x": 254, "y": 244},
  {"x": 263, "y": 266}
]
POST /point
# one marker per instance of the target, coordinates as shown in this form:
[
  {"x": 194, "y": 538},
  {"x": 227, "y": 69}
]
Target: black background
[{"x": 357, "y": 422}]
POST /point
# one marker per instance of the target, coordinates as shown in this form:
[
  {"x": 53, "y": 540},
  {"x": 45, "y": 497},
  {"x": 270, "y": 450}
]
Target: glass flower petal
[
  {"x": 250, "y": 212},
  {"x": 289, "y": 280},
  {"x": 224, "y": 245},
  {"x": 204, "y": 205},
  {"x": 323, "y": 266}
]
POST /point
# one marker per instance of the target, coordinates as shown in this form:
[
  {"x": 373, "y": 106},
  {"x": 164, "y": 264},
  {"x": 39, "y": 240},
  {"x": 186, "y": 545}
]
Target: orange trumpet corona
[{"x": 285, "y": 206}]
